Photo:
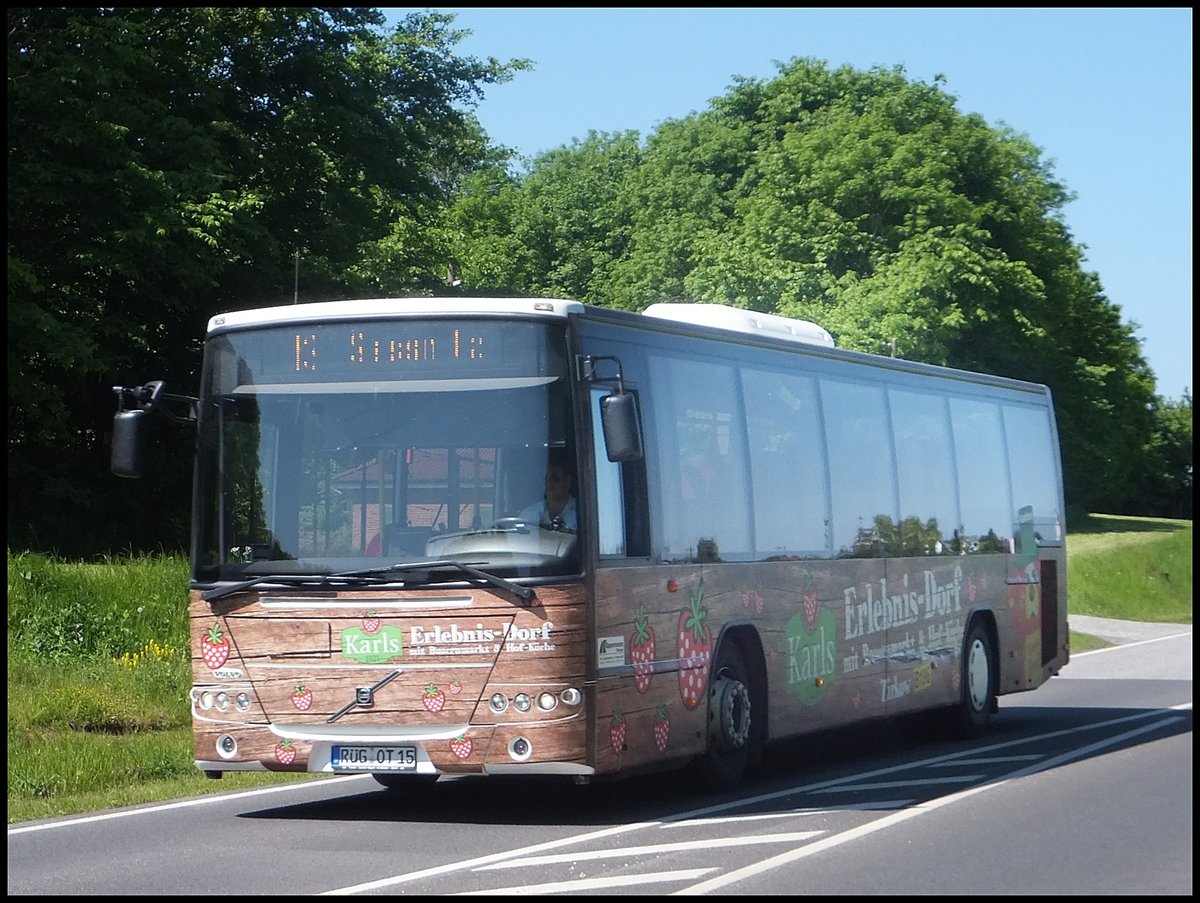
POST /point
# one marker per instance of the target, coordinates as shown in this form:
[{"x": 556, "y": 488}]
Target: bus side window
[
  {"x": 787, "y": 458},
  {"x": 697, "y": 444},
  {"x": 621, "y": 507}
]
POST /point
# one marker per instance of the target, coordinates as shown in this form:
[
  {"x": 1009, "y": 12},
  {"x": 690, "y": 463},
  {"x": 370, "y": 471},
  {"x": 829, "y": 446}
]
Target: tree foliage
[
  {"x": 169, "y": 163},
  {"x": 860, "y": 200},
  {"x": 1163, "y": 479}
]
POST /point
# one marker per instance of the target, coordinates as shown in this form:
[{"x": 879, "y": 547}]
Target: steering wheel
[{"x": 511, "y": 524}]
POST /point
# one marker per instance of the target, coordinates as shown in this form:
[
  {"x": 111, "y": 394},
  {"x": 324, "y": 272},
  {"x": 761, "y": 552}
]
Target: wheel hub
[
  {"x": 730, "y": 725},
  {"x": 977, "y": 676}
]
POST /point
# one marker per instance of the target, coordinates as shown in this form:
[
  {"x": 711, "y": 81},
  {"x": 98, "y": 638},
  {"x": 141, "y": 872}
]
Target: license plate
[{"x": 375, "y": 758}]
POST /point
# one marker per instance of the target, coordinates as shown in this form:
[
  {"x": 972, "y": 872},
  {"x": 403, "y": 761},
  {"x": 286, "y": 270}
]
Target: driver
[{"x": 556, "y": 511}]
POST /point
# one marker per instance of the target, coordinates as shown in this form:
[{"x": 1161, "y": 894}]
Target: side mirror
[
  {"x": 128, "y": 439},
  {"x": 622, "y": 427}
]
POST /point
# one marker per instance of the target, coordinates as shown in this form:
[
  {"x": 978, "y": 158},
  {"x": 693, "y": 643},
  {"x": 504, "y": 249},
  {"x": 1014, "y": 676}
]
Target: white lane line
[
  {"x": 1157, "y": 639},
  {"x": 184, "y": 804},
  {"x": 792, "y": 813},
  {"x": 895, "y": 818},
  {"x": 991, "y": 760},
  {"x": 917, "y": 782},
  {"x": 582, "y": 884},
  {"x": 650, "y": 849},
  {"x": 469, "y": 864}
]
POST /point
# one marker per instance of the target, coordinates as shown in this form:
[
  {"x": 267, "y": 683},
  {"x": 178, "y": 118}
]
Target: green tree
[
  {"x": 561, "y": 232},
  {"x": 165, "y": 164},
  {"x": 867, "y": 203},
  {"x": 680, "y": 199},
  {"x": 1163, "y": 482}
]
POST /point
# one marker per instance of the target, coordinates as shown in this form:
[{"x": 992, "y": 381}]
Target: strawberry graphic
[
  {"x": 662, "y": 727},
  {"x": 214, "y": 647},
  {"x": 455, "y": 687},
  {"x": 641, "y": 651},
  {"x": 370, "y": 622},
  {"x": 285, "y": 752},
  {"x": 811, "y": 607},
  {"x": 434, "y": 699},
  {"x": 461, "y": 746},
  {"x": 695, "y": 649},
  {"x": 302, "y": 697},
  {"x": 758, "y": 603},
  {"x": 616, "y": 730}
]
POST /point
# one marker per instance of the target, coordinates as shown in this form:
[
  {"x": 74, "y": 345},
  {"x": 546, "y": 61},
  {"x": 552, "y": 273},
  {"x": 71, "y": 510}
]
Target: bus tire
[
  {"x": 405, "y": 783},
  {"x": 730, "y": 735},
  {"x": 978, "y": 681}
]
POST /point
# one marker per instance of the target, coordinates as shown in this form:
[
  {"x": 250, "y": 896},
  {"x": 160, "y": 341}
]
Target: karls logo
[
  {"x": 810, "y": 661},
  {"x": 371, "y": 649}
]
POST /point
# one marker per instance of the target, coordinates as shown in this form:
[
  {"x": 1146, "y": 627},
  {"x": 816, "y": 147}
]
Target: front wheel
[
  {"x": 731, "y": 737},
  {"x": 978, "y": 682}
]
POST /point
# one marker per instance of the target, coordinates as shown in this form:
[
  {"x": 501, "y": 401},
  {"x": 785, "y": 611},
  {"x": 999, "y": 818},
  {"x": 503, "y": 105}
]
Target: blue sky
[{"x": 1105, "y": 93}]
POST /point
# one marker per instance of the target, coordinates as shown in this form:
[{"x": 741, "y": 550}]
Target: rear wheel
[
  {"x": 978, "y": 681},
  {"x": 731, "y": 736}
]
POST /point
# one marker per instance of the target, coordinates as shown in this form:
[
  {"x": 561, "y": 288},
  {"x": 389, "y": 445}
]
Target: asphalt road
[{"x": 1123, "y": 631}]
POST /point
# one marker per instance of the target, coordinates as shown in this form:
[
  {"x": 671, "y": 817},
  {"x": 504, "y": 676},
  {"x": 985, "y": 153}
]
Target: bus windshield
[{"x": 328, "y": 448}]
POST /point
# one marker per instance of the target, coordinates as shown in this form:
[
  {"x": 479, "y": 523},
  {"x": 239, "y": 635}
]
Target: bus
[{"x": 771, "y": 536}]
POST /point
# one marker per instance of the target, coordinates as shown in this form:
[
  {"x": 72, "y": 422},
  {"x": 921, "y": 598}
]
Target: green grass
[
  {"x": 98, "y": 665},
  {"x": 1133, "y": 568},
  {"x": 98, "y": 679}
]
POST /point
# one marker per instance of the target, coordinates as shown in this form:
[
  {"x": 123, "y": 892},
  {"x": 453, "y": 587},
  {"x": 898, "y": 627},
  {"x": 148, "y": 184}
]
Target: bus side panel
[
  {"x": 1052, "y": 566},
  {"x": 926, "y": 603},
  {"x": 820, "y": 628},
  {"x": 924, "y": 649},
  {"x": 1020, "y": 633},
  {"x": 841, "y": 641},
  {"x": 643, "y": 715},
  {"x": 830, "y": 633},
  {"x": 1037, "y": 647}
]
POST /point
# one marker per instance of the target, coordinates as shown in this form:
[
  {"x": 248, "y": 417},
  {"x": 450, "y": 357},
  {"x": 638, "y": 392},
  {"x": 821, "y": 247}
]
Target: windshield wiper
[
  {"x": 367, "y": 576},
  {"x": 516, "y": 589},
  {"x": 232, "y": 589}
]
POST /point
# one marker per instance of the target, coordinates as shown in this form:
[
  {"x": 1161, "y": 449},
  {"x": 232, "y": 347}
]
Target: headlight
[{"x": 570, "y": 696}]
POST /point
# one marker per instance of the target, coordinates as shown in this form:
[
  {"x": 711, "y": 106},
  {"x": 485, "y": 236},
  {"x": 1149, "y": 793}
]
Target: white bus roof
[
  {"x": 747, "y": 322},
  {"x": 325, "y": 311},
  {"x": 735, "y": 319}
]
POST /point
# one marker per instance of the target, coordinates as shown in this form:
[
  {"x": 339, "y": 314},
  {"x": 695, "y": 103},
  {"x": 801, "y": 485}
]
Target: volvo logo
[{"x": 364, "y": 697}]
